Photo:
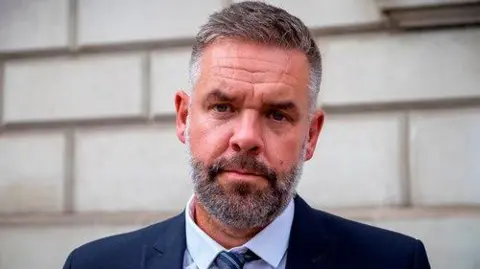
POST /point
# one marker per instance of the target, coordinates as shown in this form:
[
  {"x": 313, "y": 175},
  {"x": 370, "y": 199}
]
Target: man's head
[{"x": 250, "y": 120}]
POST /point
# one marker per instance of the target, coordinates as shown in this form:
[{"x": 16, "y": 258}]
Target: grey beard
[{"x": 243, "y": 206}]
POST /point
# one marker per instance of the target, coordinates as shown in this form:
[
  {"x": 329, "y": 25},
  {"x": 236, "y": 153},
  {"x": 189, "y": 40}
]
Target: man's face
[{"x": 248, "y": 130}]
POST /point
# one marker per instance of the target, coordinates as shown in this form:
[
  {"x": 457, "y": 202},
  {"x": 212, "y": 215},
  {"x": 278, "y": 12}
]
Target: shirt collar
[
  {"x": 270, "y": 244},
  {"x": 200, "y": 246}
]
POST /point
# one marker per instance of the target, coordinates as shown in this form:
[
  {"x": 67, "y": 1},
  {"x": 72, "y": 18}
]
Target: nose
[{"x": 247, "y": 136}]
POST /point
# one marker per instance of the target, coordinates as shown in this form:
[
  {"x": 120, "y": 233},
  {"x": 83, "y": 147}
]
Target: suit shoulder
[
  {"x": 363, "y": 234},
  {"x": 125, "y": 246},
  {"x": 146, "y": 235},
  {"x": 370, "y": 246}
]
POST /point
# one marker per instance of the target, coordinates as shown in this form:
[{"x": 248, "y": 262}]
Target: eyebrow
[
  {"x": 282, "y": 105},
  {"x": 217, "y": 95}
]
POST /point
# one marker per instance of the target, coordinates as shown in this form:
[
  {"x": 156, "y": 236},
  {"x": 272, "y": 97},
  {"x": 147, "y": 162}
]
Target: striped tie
[{"x": 231, "y": 260}]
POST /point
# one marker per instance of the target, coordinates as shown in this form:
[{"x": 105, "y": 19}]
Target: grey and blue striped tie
[{"x": 231, "y": 260}]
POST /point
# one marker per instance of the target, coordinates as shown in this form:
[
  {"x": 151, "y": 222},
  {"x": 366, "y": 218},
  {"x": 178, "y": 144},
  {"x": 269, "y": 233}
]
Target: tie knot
[{"x": 232, "y": 260}]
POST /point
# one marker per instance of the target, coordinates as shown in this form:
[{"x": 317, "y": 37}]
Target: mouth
[
  {"x": 244, "y": 172},
  {"x": 243, "y": 175}
]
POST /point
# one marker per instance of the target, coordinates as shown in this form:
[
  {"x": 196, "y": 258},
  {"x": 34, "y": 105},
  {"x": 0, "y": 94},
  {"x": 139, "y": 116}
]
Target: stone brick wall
[{"x": 88, "y": 145}]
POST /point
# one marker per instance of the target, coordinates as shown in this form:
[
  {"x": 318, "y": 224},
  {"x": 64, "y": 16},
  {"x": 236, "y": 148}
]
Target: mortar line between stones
[
  {"x": 147, "y": 85},
  {"x": 85, "y": 124},
  {"x": 406, "y": 184},
  {"x": 427, "y": 104},
  {"x": 136, "y": 46},
  {"x": 69, "y": 166},
  {"x": 72, "y": 33},
  {"x": 2, "y": 93}
]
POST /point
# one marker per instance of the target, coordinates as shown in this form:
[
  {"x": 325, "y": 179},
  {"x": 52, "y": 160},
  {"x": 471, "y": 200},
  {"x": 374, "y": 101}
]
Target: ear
[
  {"x": 181, "y": 107},
  {"x": 314, "y": 131}
]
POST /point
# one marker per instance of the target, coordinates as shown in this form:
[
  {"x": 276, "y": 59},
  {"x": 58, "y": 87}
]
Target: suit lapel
[
  {"x": 310, "y": 243},
  {"x": 169, "y": 249},
  {"x": 309, "y": 247}
]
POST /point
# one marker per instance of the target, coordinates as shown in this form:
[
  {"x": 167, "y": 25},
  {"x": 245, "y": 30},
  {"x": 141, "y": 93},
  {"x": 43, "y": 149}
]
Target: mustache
[{"x": 242, "y": 162}]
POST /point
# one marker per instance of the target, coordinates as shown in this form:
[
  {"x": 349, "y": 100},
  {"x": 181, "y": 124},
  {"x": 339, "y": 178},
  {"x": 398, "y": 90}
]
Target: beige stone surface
[
  {"x": 357, "y": 162},
  {"x": 47, "y": 247},
  {"x": 101, "y": 22},
  {"x": 327, "y": 13},
  {"x": 32, "y": 172},
  {"x": 359, "y": 169},
  {"x": 399, "y": 67},
  {"x": 131, "y": 169},
  {"x": 169, "y": 74},
  {"x": 450, "y": 242},
  {"x": 31, "y": 24},
  {"x": 445, "y": 156},
  {"x": 66, "y": 88}
]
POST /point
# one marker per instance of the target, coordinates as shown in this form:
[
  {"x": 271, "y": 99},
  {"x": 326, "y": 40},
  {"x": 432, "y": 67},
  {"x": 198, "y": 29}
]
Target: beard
[{"x": 244, "y": 205}]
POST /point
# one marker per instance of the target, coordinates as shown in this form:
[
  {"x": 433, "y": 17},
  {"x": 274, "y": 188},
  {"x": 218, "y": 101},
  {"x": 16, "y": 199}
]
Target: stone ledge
[
  {"x": 380, "y": 106},
  {"x": 85, "y": 123},
  {"x": 411, "y": 4},
  {"x": 419, "y": 14},
  {"x": 149, "y": 217}
]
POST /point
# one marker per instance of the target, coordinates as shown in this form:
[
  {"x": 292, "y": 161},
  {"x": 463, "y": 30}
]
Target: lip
[{"x": 242, "y": 175}]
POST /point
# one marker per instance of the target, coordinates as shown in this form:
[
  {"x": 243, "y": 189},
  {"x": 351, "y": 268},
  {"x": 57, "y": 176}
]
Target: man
[{"x": 250, "y": 122}]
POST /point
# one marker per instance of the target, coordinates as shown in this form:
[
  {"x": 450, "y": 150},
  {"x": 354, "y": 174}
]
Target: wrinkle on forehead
[
  {"x": 244, "y": 63},
  {"x": 257, "y": 77},
  {"x": 262, "y": 56}
]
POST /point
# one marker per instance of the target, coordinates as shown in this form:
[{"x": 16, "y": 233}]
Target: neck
[{"x": 226, "y": 236}]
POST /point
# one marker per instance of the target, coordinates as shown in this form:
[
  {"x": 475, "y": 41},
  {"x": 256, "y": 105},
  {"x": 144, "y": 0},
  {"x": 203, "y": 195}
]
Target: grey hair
[{"x": 264, "y": 24}]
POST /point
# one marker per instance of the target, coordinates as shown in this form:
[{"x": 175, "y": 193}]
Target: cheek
[
  {"x": 284, "y": 151},
  {"x": 207, "y": 143}
]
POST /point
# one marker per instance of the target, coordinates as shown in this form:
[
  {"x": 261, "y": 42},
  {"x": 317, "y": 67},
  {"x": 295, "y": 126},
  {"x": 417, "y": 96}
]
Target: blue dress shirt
[{"x": 270, "y": 244}]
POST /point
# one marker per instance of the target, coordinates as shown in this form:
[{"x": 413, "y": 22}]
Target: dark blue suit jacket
[{"x": 317, "y": 240}]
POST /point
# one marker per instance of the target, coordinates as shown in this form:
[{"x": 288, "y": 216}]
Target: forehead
[{"x": 243, "y": 65}]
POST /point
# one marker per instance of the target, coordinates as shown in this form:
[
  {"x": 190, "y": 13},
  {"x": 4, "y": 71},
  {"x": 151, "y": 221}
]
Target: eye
[
  {"x": 277, "y": 115},
  {"x": 222, "y": 108}
]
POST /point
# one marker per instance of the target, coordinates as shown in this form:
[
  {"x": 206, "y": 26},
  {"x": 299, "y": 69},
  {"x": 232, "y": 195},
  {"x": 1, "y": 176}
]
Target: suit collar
[
  {"x": 168, "y": 251},
  {"x": 310, "y": 242}
]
